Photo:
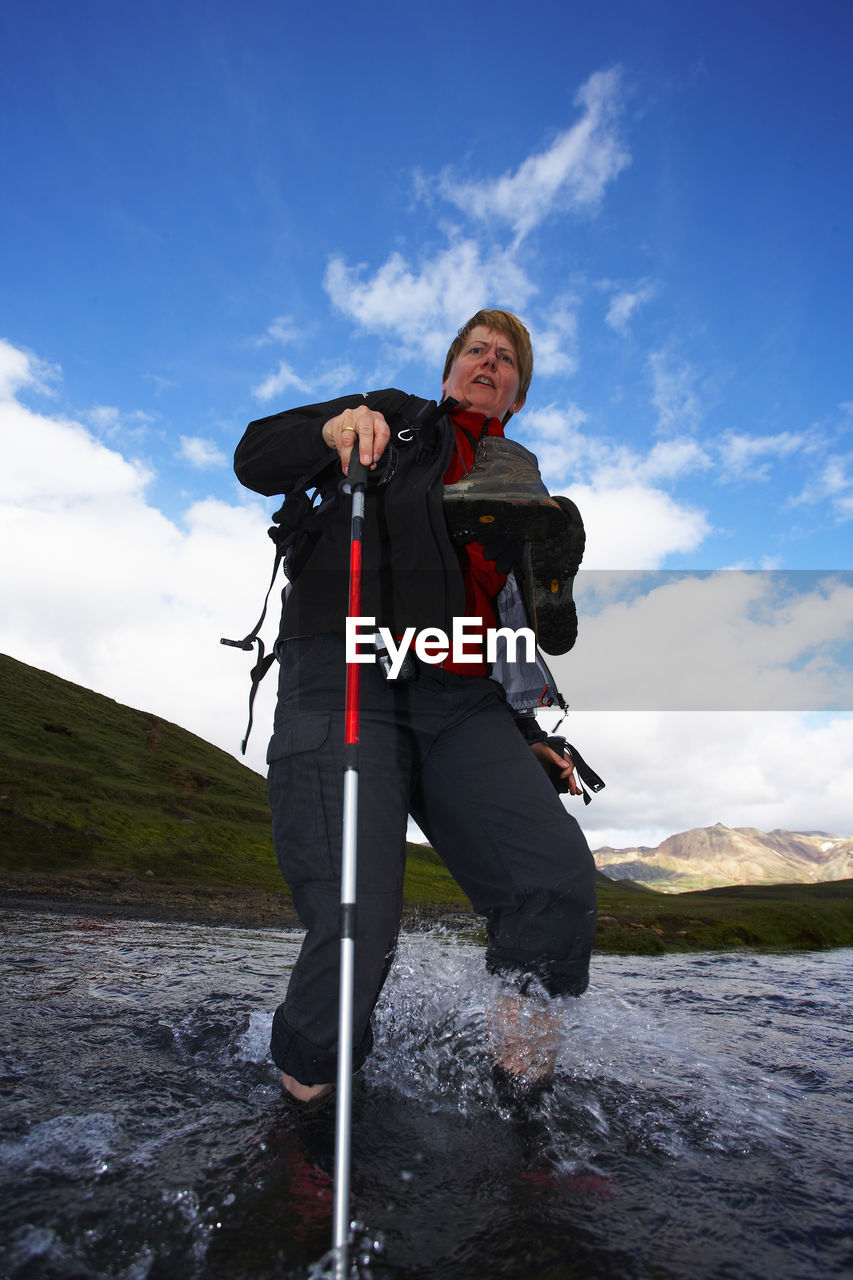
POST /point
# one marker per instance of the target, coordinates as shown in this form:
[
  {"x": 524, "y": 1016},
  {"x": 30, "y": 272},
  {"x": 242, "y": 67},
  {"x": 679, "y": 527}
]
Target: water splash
[
  {"x": 75, "y": 1147},
  {"x": 254, "y": 1044},
  {"x": 627, "y": 1074},
  {"x": 365, "y": 1249},
  {"x": 154, "y": 1143}
]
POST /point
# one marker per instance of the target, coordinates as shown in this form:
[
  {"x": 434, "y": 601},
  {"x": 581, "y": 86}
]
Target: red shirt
[{"x": 483, "y": 583}]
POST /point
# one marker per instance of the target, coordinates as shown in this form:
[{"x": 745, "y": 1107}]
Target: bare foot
[
  {"x": 305, "y": 1092},
  {"x": 525, "y": 1037}
]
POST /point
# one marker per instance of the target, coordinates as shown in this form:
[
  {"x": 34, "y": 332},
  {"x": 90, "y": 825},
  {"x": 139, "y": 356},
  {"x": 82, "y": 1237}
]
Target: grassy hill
[
  {"x": 103, "y": 804},
  {"x": 634, "y": 920},
  {"x": 99, "y": 800}
]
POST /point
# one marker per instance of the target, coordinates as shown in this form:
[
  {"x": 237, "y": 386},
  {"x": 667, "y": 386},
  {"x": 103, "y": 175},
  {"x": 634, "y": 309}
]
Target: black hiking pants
[{"x": 444, "y": 748}]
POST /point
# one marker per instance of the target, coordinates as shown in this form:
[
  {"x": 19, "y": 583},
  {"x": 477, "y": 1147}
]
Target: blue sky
[{"x": 214, "y": 211}]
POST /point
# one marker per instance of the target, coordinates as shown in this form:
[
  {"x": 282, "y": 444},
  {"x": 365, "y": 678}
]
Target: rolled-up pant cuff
[
  {"x": 545, "y": 936},
  {"x": 558, "y": 977},
  {"x": 307, "y": 1062}
]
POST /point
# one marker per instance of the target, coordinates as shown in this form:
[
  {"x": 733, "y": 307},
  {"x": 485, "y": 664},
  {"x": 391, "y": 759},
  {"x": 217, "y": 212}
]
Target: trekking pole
[{"x": 353, "y": 483}]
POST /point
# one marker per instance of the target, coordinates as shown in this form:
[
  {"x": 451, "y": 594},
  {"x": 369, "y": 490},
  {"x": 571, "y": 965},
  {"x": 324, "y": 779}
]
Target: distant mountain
[{"x": 711, "y": 857}]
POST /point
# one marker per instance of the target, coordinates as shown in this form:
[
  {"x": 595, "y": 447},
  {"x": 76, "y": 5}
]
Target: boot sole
[{"x": 554, "y": 539}]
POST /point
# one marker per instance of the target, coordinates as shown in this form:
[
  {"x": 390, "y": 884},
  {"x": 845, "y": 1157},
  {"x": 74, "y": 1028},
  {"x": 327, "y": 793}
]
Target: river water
[{"x": 701, "y": 1124}]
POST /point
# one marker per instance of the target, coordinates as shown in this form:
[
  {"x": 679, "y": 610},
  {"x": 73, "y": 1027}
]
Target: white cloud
[
  {"x": 631, "y": 522},
  {"x": 109, "y": 421},
  {"x": 553, "y": 422},
  {"x": 50, "y": 461},
  {"x": 835, "y": 478},
  {"x": 725, "y": 641},
  {"x": 555, "y": 346},
  {"x": 626, "y": 302},
  {"x": 746, "y": 457},
  {"x": 570, "y": 452},
  {"x": 834, "y": 485},
  {"x": 634, "y": 526},
  {"x": 284, "y": 330},
  {"x": 201, "y": 453},
  {"x": 556, "y": 435},
  {"x": 20, "y": 368},
  {"x": 161, "y": 384},
  {"x": 339, "y": 379},
  {"x": 672, "y": 459},
  {"x": 674, "y": 393},
  {"x": 104, "y": 590},
  {"x": 103, "y": 417},
  {"x": 279, "y": 381},
  {"x": 573, "y": 172},
  {"x": 424, "y": 306},
  {"x": 671, "y": 771},
  {"x": 616, "y": 466}
]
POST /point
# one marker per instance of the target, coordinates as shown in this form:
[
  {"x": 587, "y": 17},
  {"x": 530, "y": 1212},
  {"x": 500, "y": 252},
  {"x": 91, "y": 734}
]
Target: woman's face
[{"x": 484, "y": 376}]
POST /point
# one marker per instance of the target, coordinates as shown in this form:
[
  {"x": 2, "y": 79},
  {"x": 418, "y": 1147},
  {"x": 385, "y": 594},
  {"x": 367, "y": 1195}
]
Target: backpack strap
[
  {"x": 582, "y": 769},
  {"x": 265, "y": 660},
  {"x": 283, "y": 540}
]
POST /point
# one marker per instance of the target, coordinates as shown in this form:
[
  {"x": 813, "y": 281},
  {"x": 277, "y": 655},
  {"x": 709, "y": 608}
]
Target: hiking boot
[
  {"x": 502, "y": 503},
  {"x": 502, "y": 470},
  {"x": 546, "y": 572},
  {"x": 503, "y": 487}
]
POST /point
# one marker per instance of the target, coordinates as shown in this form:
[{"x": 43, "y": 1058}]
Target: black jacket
[{"x": 411, "y": 574}]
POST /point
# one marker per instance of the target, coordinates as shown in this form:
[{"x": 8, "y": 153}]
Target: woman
[{"x": 442, "y": 745}]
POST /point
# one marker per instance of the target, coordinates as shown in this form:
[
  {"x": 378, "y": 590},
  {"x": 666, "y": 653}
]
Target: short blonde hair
[{"x": 502, "y": 322}]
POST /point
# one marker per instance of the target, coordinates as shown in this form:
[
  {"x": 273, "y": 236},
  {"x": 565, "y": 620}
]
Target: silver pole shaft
[{"x": 343, "y": 1115}]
